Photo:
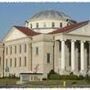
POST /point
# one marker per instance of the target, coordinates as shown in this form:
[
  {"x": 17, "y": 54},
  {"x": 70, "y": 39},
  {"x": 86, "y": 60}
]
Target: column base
[
  {"x": 88, "y": 72},
  {"x": 75, "y": 73},
  {"x": 64, "y": 72},
  {"x": 83, "y": 72}
]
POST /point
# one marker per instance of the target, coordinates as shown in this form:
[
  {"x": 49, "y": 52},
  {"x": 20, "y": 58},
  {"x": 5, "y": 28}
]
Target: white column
[
  {"x": 72, "y": 55},
  {"x": 62, "y": 55},
  {"x": 82, "y": 56}
]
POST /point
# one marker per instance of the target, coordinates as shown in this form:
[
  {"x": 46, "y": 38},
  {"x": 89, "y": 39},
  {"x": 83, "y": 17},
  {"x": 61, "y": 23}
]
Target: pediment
[
  {"x": 14, "y": 34},
  {"x": 84, "y": 30}
]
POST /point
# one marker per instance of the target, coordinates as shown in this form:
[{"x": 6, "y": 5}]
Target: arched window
[
  {"x": 37, "y": 25},
  {"x": 53, "y": 24}
]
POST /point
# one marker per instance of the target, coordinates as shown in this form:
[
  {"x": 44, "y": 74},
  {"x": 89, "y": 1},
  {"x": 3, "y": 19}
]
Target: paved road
[{"x": 43, "y": 86}]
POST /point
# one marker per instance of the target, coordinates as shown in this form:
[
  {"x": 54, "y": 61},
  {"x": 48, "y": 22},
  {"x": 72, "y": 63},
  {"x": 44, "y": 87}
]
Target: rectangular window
[
  {"x": 48, "y": 57},
  {"x": 36, "y": 50},
  {"x": 10, "y": 62},
  {"x": 25, "y": 48},
  {"x": 19, "y": 61},
  {"x": 6, "y": 50},
  {"x": 6, "y": 62},
  {"x": 15, "y": 49},
  {"x": 20, "y": 49},
  {"x": 31, "y": 25},
  {"x": 10, "y": 49},
  {"x": 61, "y": 25},
  {"x": 53, "y": 24},
  {"x": 37, "y": 25},
  {"x": 25, "y": 61},
  {"x": 15, "y": 63}
]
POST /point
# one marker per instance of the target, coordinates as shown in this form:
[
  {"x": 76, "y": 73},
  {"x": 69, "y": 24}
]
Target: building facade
[{"x": 49, "y": 40}]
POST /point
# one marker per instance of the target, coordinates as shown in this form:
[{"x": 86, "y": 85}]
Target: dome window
[
  {"x": 53, "y": 24},
  {"x": 44, "y": 25},
  {"x": 61, "y": 25},
  {"x": 37, "y": 25},
  {"x": 30, "y": 25}
]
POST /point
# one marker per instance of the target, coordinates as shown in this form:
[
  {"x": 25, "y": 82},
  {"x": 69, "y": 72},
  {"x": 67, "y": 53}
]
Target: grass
[
  {"x": 45, "y": 83},
  {"x": 60, "y": 82},
  {"x": 9, "y": 81}
]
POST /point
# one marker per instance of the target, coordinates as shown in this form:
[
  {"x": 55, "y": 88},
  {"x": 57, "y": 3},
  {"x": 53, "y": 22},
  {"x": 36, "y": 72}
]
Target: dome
[{"x": 49, "y": 14}]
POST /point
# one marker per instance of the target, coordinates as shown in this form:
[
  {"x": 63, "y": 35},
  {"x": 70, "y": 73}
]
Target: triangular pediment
[
  {"x": 14, "y": 34},
  {"x": 84, "y": 30}
]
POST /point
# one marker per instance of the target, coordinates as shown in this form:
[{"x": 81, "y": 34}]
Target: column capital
[
  {"x": 62, "y": 39},
  {"x": 73, "y": 40},
  {"x": 82, "y": 41}
]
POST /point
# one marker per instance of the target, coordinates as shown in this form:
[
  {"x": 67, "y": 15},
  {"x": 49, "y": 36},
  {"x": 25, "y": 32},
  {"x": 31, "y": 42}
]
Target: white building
[{"x": 49, "y": 40}]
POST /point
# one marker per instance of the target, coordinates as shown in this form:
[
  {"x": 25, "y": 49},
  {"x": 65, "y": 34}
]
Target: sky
[{"x": 17, "y": 13}]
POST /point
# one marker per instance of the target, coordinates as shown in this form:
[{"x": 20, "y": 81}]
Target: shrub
[
  {"x": 44, "y": 79},
  {"x": 73, "y": 82},
  {"x": 80, "y": 77},
  {"x": 54, "y": 77}
]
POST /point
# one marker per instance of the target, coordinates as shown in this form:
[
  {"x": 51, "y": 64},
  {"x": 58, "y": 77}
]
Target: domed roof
[{"x": 49, "y": 14}]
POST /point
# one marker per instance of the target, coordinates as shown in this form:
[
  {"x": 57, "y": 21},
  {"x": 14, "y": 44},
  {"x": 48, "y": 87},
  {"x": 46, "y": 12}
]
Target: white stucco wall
[{"x": 18, "y": 69}]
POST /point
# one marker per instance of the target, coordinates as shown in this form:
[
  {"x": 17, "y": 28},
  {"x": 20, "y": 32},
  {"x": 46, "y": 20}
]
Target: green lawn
[
  {"x": 49, "y": 83},
  {"x": 4, "y": 81},
  {"x": 60, "y": 82}
]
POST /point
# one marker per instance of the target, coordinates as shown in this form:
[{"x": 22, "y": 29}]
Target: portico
[{"x": 74, "y": 56}]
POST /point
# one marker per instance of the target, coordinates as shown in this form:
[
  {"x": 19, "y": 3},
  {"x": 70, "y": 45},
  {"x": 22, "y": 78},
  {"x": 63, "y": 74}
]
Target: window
[
  {"x": 25, "y": 61},
  {"x": 10, "y": 49},
  {"x": 25, "y": 48},
  {"x": 61, "y": 25},
  {"x": 31, "y": 25},
  {"x": 10, "y": 62},
  {"x": 6, "y": 50},
  {"x": 44, "y": 25},
  {"x": 20, "y": 48},
  {"x": 6, "y": 62},
  {"x": 0, "y": 60},
  {"x": 59, "y": 46},
  {"x": 19, "y": 61},
  {"x": 37, "y": 25},
  {"x": 15, "y": 62},
  {"x": 15, "y": 49},
  {"x": 48, "y": 57},
  {"x": 53, "y": 24},
  {"x": 36, "y": 50}
]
